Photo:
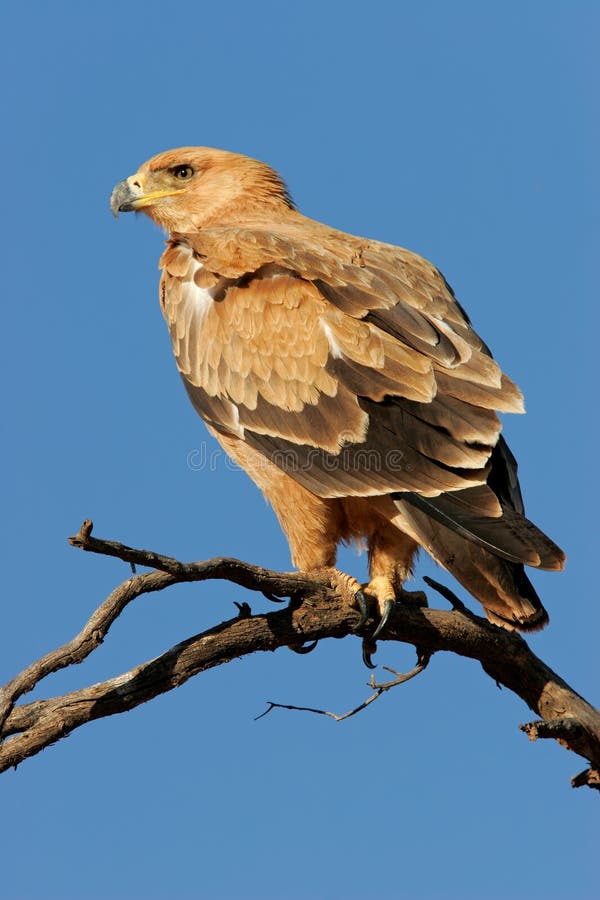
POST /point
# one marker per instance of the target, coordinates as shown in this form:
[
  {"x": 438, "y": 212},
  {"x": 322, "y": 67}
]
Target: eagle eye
[{"x": 182, "y": 173}]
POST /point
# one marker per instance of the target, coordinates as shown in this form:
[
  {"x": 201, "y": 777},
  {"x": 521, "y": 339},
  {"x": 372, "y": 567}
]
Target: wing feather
[
  {"x": 342, "y": 352},
  {"x": 351, "y": 365}
]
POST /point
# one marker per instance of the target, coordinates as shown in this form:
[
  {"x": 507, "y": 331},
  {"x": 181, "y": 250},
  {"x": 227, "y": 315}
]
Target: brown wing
[
  {"x": 347, "y": 363},
  {"x": 398, "y": 291}
]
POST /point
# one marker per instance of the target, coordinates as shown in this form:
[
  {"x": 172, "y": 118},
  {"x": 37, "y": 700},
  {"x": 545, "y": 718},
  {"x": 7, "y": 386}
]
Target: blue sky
[{"x": 466, "y": 131}]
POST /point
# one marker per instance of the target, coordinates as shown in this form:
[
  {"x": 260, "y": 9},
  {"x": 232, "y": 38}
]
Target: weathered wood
[{"x": 315, "y": 613}]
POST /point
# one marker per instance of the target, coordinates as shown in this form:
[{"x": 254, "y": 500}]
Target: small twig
[
  {"x": 564, "y": 729},
  {"x": 423, "y": 658},
  {"x": 589, "y": 778},
  {"x": 455, "y": 602},
  {"x": 379, "y": 689},
  {"x": 83, "y": 535},
  {"x": 255, "y": 578},
  {"x": 244, "y": 608},
  {"x": 84, "y": 541}
]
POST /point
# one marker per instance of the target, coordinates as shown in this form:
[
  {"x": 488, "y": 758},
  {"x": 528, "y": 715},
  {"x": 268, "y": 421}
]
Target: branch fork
[{"x": 316, "y": 613}]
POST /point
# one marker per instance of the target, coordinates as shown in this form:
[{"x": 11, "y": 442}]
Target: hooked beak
[{"x": 129, "y": 196}]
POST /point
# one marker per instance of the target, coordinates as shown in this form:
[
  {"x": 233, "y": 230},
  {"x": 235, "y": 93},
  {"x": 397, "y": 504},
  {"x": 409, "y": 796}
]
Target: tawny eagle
[{"x": 343, "y": 375}]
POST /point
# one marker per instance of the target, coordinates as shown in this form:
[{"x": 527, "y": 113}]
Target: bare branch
[
  {"x": 316, "y": 613},
  {"x": 589, "y": 778},
  {"x": 252, "y": 577},
  {"x": 379, "y": 690},
  {"x": 423, "y": 657},
  {"x": 91, "y": 635},
  {"x": 454, "y": 601},
  {"x": 171, "y": 572},
  {"x": 561, "y": 730}
]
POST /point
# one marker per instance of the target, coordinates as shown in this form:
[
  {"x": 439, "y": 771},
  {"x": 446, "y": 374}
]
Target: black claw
[
  {"x": 387, "y": 608},
  {"x": 368, "y": 648},
  {"x": 272, "y": 597},
  {"x": 363, "y": 607},
  {"x": 306, "y": 648}
]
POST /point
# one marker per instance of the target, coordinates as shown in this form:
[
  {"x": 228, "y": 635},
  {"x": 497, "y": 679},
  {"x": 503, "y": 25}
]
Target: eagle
[{"x": 343, "y": 375}]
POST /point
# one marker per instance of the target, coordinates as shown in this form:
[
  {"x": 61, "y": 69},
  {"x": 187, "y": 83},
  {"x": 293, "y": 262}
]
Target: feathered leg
[{"x": 391, "y": 555}]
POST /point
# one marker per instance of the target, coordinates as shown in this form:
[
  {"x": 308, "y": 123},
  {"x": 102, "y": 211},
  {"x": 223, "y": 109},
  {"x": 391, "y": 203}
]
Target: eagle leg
[{"x": 390, "y": 561}]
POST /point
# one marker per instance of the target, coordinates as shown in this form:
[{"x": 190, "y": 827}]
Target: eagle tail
[
  {"x": 507, "y": 532},
  {"x": 485, "y": 567}
]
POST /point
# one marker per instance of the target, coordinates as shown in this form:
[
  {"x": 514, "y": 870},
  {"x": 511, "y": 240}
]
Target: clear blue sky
[{"x": 466, "y": 131}]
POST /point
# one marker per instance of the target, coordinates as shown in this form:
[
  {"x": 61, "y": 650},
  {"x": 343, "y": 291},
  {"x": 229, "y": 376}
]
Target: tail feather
[
  {"x": 509, "y": 535},
  {"x": 492, "y": 515},
  {"x": 501, "y": 585}
]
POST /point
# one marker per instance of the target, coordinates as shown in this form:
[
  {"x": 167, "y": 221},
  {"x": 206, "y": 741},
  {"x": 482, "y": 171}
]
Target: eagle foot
[
  {"x": 382, "y": 589},
  {"x": 378, "y": 587},
  {"x": 385, "y": 614},
  {"x": 349, "y": 590},
  {"x": 363, "y": 607},
  {"x": 386, "y": 596},
  {"x": 369, "y": 647}
]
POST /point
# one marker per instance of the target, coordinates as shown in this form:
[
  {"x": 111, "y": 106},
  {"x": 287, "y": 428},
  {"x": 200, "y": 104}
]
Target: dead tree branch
[
  {"x": 379, "y": 689},
  {"x": 315, "y": 613}
]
